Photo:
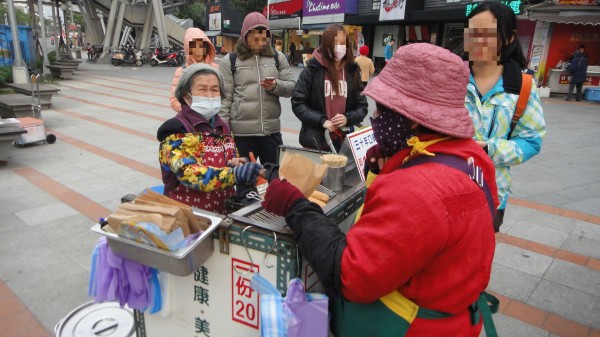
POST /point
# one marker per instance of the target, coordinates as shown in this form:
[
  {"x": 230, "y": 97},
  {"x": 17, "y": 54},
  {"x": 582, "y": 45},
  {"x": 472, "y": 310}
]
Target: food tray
[{"x": 181, "y": 262}]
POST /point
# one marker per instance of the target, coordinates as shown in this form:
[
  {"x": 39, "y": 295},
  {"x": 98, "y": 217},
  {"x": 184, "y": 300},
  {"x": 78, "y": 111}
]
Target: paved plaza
[{"x": 546, "y": 269}]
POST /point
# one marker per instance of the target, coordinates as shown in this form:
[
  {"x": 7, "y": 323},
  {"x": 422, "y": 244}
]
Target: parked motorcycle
[
  {"x": 167, "y": 56},
  {"x": 126, "y": 55}
]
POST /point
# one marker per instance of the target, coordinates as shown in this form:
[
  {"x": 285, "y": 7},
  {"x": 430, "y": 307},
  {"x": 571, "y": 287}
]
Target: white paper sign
[{"x": 360, "y": 141}]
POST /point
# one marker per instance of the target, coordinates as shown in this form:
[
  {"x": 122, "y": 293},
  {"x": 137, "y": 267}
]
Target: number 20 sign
[{"x": 245, "y": 304}]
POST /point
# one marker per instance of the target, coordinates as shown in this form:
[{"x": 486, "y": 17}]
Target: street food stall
[
  {"x": 558, "y": 79},
  {"x": 206, "y": 286}
]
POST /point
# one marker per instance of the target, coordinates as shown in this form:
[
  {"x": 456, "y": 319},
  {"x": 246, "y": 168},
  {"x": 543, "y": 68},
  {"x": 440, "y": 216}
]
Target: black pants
[
  {"x": 579, "y": 87},
  {"x": 264, "y": 148},
  {"x": 498, "y": 220}
]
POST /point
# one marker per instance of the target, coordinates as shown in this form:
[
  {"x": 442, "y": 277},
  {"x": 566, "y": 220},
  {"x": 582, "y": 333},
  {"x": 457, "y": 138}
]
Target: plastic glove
[
  {"x": 247, "y": 173},
  {"x": 280, "y": 196}
]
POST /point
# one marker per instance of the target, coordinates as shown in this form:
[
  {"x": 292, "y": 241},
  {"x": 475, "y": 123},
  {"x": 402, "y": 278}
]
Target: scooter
[
  {"x": 161, "y": 56},
  {"x": 127, "y": 55}
]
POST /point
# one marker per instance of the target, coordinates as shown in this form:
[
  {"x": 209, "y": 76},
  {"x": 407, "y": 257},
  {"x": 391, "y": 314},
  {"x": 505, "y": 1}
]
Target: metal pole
[
  {"x": 56, "y": 41},
  {"x": 19, "y": 69},
  {"x": 118, "y": 25},
  {"x": 44, "y": 41}
]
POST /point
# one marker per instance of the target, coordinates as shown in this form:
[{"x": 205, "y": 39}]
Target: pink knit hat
[
  {"x": 252, "y": 21},
  {"x": 426, "y": 84}
]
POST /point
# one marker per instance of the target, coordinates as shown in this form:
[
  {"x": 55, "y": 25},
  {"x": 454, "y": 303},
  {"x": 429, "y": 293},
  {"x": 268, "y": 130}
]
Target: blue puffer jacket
[{"x": 578, "y": 68}]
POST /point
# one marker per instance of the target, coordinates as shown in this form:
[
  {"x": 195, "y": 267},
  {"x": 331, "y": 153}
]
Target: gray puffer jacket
[{"x": 250, "y": 109}]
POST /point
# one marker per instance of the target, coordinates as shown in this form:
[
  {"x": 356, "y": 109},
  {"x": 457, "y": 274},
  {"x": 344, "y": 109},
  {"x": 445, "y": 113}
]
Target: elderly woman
[
  {"x": 418, "y": 259},
  {"x": 198, "y": 159}
]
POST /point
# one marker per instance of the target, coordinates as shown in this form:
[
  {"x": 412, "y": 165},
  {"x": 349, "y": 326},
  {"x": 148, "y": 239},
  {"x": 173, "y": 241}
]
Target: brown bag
[
  {"x": 301, "y": 172},
  {"x": 149, "y": 196}
]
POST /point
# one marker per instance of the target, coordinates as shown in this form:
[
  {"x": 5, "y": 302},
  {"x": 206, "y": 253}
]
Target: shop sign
[
  {"x": 517, "y": 6},
  {"x": 214, "y": 21},
  {"x": 214, "y": 7},
  {"x": 590, "y": 80},
  {"x": 577, "y": 2},
  {"x": 392, "y": 10},
  {"x": 360, "y": 142},
  {"x": 285, "y": 10},
  {"x": 322, "y": 7}
]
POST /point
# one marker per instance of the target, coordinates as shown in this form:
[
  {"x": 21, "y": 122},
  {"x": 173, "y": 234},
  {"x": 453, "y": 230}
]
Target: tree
[
  {"x": 22, "y": 17},
  {"x": 196, "y": 12}
]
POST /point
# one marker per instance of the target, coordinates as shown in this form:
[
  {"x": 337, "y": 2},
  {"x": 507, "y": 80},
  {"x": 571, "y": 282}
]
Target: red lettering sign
[
  {"x": 244, "y": 300},
  {"x": 590, "y": 80}
]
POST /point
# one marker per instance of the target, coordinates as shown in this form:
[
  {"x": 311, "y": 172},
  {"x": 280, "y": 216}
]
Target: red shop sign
[
  {"x": 590, "y": 80},
  {"x": 286, "y": 9}
]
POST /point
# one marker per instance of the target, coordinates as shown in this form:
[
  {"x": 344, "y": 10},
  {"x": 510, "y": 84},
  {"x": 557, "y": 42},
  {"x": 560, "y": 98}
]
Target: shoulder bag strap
[{"x": 521, "y": 102}]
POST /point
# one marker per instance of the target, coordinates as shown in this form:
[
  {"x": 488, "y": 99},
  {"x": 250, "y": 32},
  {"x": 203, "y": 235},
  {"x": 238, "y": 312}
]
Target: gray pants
[{"x": 573, "y": 85}]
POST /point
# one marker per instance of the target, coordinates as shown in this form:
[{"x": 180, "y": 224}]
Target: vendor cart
[
  {"x": 215, "y": 298},
  {"x": 34, "y": 125}
]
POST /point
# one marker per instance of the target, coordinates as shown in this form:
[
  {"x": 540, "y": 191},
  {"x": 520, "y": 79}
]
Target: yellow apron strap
[{"x": 400, "y": 305}]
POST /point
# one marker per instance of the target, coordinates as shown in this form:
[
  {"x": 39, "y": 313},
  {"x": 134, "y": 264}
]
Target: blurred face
[
  {"x": 198, "y": 49},
  {"x": 340, "y": 38},
  {"x": 257, "y": 39},
  {"x": 481, "y": 38},
  {"x": 204, "y": 86}
]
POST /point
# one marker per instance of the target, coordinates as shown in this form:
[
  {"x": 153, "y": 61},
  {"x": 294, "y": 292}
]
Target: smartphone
[{"x": 270, "y": 78}]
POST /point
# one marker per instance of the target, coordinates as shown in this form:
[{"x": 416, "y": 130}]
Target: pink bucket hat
[{"x": 426, "y": 84}]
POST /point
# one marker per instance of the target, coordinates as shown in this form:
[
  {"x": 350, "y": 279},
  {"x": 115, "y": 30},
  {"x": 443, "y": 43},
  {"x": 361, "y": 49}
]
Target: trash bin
[{"x": 101, "y": 319}]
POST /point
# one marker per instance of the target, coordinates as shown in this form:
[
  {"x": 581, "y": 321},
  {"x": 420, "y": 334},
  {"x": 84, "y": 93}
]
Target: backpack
[
  {"x": 233, "y": 59},
  {"x": 521, "y": 102}
]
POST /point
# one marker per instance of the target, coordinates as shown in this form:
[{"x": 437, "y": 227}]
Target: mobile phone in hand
[{"x": 270, "y": 78}]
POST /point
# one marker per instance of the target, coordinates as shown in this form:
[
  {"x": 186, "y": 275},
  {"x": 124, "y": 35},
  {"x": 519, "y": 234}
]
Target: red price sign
[
  {"x": 590, "y": 80},
  {"x": 244, "y": 300}
]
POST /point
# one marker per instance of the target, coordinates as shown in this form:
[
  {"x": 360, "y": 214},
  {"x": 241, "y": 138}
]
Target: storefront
[
  {"x": 285, "y": 23},
  {"x": 565, "y": 26},
  {"x": 214, "y": 26}
]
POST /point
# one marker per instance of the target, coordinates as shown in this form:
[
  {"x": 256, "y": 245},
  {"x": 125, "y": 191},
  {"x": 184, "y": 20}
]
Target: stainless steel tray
[{"x": 181, "y": 262}]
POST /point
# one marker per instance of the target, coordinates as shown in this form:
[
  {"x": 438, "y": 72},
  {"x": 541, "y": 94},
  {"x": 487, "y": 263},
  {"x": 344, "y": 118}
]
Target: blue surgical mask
[{"x": 207, "y": 107}]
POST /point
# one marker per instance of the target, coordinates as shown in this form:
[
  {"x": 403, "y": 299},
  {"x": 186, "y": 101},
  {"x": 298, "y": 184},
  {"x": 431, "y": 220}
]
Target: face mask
[
  {"x": 391, "y": 132},
  {"x": 207, "y": 107},
  {"x": 340, "y": 52}
]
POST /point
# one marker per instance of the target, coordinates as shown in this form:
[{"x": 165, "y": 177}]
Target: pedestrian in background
[
  {"x": 255, "y": 76},
  {"x": 328, "y": 93},
  {"x": 367, "y": 68},
  {"x": 389, "y": 50},
  {"x": 496, "y": 61},
  {"x": 197, "y": 48},
  {"x": 578, "y": 70},
  {"x": 292, "y": 50}
]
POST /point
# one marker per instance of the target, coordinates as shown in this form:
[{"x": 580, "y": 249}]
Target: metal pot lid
[{"x": 101, "y": 319}]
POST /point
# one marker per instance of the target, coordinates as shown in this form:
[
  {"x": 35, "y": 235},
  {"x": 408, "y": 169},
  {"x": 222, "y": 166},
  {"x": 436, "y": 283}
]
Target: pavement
[{"x": 546, "y": 268}]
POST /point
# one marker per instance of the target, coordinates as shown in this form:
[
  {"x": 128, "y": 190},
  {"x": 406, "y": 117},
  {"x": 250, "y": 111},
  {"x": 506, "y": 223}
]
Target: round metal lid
[{"x": 102, "y": 319}]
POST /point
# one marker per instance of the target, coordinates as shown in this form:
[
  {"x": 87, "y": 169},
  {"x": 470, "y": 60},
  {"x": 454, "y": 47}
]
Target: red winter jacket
[{"x": 427, "y": 232}]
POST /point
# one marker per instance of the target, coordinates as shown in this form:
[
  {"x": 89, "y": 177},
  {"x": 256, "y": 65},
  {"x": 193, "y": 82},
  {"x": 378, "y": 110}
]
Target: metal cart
[{"x": 34, "y": 125}]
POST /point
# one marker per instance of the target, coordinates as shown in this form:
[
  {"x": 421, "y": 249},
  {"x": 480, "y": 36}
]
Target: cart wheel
[{"x": 50, "y": 139}]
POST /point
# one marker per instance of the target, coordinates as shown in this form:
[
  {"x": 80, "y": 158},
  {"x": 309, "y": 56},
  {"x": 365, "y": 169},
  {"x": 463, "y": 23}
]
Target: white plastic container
[{"x": 544, "y": 91}]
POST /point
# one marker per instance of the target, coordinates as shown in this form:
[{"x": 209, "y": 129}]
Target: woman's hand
[
  {"x": 237, "y": 161},
  {"x": 339, "y": 120},
  {"x": 329, "y": 126}
]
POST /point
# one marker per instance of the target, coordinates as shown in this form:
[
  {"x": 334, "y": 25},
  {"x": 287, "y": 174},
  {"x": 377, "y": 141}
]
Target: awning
[
  {"x": 289, "y": 23},
  {"x": 582, "y": 15},
  {"x": 213, "y": 33}
]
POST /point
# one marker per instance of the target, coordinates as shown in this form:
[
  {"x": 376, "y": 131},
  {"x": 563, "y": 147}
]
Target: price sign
[{"x": 360, "y": 141}]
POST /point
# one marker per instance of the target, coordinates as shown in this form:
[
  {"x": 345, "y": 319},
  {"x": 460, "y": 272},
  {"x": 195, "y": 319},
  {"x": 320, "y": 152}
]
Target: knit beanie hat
[
  {"x": 188, "y": 73},
  {"x": 252, "y": 21},
  {"x": 364, "y": 50}
]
